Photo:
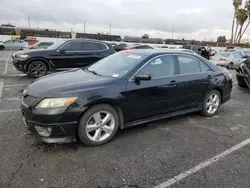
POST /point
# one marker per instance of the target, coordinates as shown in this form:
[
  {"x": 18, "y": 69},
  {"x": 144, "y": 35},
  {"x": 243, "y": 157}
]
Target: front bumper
[
  {"x": 51, "y": 126},
  {"x": 20, "y": 65}
]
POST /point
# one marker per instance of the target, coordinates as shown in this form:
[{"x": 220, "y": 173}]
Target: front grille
[{"x": 29, "y": 100}]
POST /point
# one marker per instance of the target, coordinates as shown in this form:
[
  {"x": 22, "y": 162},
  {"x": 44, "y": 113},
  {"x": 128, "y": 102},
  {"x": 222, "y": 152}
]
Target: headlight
[
  {"x": 22, "y": 56},
  {"x": 56, "y": 102}
]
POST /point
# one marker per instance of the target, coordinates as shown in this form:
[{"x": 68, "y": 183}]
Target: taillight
[
  {"x": 222, "y": 59},
  {"x": 229, "y": 77},
  {"x": 132, "y": 48}
]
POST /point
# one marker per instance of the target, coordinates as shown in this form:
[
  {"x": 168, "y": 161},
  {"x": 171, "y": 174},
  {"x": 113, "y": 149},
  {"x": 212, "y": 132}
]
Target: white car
[{"x": 227, "y": 59}]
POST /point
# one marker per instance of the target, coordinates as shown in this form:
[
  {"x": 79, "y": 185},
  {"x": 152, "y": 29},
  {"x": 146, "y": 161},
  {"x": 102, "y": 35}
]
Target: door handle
[
  {"x": 173, "y": 82},
  {"x": 209, "y": 76}
]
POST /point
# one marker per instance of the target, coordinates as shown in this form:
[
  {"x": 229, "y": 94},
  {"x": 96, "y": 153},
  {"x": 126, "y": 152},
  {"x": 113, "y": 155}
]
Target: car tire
[
  {"x": 92, "y": 131},
  {"x": 230, "y": 65},
  {"x": 2, "y": 47},
  {"x": 211, "y": 104},
  {"x": 37, "y": 69},
  {"x": 242, "y": 85}
]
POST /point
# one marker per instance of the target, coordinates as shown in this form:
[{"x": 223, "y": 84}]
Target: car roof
[
  {"x": 150, "y": 52},
  {"x": 88, "y": 40}
]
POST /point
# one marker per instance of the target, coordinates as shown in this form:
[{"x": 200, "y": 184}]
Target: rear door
[
  {"x": 91, "y": 52},
  {"x": 192, "y": 82}
]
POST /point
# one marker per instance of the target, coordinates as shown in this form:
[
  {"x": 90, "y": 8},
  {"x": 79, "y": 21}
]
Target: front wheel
[
  {"x": 98, "y": 125},
  {"x": 211, "y": 103},
  {"x": 37, "y": 69}
]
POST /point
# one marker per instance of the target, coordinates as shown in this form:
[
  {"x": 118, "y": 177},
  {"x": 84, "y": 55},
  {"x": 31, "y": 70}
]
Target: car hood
[
  {"x": 32, "y": 51},
  {"x": 67, "y": 82}
]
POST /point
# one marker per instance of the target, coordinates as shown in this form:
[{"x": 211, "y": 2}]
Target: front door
[
  {"x": 156, "y": 96},
  {"x": 67, "y": 56}
]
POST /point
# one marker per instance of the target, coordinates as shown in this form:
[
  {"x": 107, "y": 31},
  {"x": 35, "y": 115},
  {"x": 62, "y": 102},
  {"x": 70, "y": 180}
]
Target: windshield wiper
[{"x": 95, "y": 73}]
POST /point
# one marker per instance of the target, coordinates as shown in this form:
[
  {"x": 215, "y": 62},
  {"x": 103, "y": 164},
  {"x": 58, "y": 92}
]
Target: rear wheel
[
  {"x": 2, "y": 47},
  {"x": 230, "y": 65},
  {"x": 242, "y": 85},
  {"x": 98, "y": 125},
  {"x": 211, "y": 103},
  {"x": 37, "y": 69}
]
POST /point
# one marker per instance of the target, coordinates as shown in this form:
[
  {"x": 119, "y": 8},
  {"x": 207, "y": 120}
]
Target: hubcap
[
  {"x": 213, "y": 103},
  {"x": 38, "y": 69},
  {"x": 100, "y": 126}
]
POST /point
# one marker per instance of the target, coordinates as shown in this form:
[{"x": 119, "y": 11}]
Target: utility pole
[
  {"x": 84, "y": 27},
  {"x": 29, "y": 21},
  {"x": 110, "y": 29},
  {"x": 172, "y": 33}
]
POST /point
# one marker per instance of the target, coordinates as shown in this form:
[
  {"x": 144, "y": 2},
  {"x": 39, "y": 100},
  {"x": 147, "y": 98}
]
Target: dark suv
[{"x": 63, "y": 54}]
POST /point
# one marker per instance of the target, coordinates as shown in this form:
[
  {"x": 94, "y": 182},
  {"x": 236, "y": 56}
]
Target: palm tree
[
  {"x": 241, "y": 18},
  {"x": 247, "y": 7},
  {"x": 236, "y": 4}
]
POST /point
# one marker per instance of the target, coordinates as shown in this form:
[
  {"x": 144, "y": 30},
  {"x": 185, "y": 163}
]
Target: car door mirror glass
[{"x": 142, "y": 77}]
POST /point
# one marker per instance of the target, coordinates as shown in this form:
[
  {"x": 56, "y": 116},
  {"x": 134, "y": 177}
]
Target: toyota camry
[{"x": 123, "y": 90}]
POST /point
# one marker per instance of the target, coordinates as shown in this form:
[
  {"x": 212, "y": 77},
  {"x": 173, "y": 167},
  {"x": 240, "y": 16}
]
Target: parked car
[
  {"x": 234, "y": 48},
  {"x": 243, "y": 74},
  {"x": 121, "y": 47},
  {"x": 122, "y": 90},
  {"x": 227, "y": 59},
  {"x": 41, "y": 45},
  {"x": 63, "y": 54},
  {"x": 31, "y": 41},
  {"x": 195, "y": 48},
  {"x": 13, "y": 45}
]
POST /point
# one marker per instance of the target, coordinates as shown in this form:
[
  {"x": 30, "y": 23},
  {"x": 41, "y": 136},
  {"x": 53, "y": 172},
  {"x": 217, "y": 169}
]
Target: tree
[
  {"x": 145, "y": 36},
  {"x": 221, "y": 39},
  {"x": 247, "y": 7},
  {"x": 236, "y": 4},
  {"x": 241, "y": 18}
]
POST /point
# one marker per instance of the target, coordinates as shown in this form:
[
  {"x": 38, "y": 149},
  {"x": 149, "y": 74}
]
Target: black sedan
[
  {"x": 63, "y": 54},
  {"x": 125, "y": 89}
]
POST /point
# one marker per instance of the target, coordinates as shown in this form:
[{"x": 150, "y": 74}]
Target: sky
[{"x": 189, "y": 19}]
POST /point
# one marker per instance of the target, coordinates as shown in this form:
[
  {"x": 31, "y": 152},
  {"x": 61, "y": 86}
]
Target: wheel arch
[
  {"x": 38, "y": 59},
  {"x": 220, "y": 91},
  {"x": 111, "y": 102}
]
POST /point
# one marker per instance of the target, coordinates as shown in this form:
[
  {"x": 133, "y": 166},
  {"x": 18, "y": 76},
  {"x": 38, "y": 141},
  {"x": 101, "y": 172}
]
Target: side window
[
  {"x": 43, "y": 44},
  {"x": 159, "y": 67},
  {"x": 204, "y": 67},
  {"x": 188, "y": 64},
  {"x": 88, "y": 46},
  {"x": 144, "y": 47},
  {"x": 72, "y": 46}
]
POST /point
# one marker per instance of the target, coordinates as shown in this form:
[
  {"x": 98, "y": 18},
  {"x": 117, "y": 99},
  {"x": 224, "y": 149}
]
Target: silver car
[
  {"x": 227, "y": 59},
  {"x": 15, "y": 44}
]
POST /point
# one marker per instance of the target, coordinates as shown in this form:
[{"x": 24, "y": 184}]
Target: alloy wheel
[
  {"x": 38, "y": 69},
  {"x": 213, "y": 103},
  {"x": 100, "y": 126}
]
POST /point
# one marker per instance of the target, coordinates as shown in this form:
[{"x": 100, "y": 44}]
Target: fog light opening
[{"x": 45, "y": 132}]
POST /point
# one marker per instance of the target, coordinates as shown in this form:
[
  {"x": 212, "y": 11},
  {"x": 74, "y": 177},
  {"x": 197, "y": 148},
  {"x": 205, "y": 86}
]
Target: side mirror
[
  {"x": 61, "y": 51},
  {"x": 142, "y": 77}
]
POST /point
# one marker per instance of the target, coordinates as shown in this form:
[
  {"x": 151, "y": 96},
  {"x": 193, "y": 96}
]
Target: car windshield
[
  {"x": 222, "y": 54},
  {"x": 56, "y": 44},
  {"x": 117, "y": 65}
]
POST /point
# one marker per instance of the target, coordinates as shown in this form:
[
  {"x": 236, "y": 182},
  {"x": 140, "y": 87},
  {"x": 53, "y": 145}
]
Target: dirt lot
[{"x": 187, "y": 151}]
